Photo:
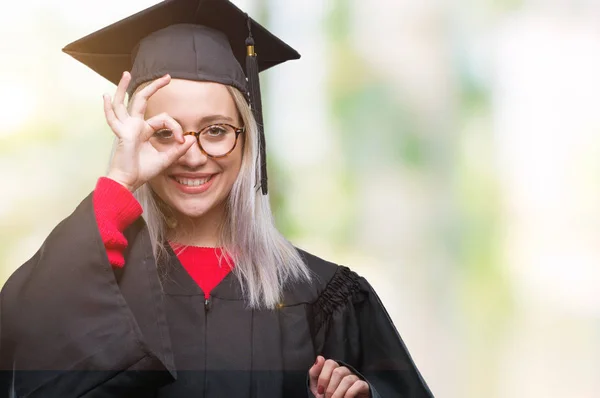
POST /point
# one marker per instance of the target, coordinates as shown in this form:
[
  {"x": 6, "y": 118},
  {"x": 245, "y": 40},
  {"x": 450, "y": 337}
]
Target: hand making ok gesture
[{"x": 135, "y": 160}]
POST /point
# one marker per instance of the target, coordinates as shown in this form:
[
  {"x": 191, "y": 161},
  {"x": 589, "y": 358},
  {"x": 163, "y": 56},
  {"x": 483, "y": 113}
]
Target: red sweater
[{"x": 116, "y": 208}]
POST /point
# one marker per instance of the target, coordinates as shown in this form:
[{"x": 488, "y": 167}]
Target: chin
[
  {"x": 195, "y": 210},
  {"x": 193, "y": 213}
]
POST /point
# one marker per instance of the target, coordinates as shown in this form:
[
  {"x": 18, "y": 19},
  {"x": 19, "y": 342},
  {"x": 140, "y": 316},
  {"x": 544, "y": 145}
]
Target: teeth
[{"x": 192, "y": 182}]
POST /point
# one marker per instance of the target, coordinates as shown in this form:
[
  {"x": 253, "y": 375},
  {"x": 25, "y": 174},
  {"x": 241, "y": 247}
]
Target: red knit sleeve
[{"x": 116, "y": 208}]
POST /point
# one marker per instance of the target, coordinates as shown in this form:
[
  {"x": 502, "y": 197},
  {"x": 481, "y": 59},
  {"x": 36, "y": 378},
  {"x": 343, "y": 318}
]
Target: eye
[
  {"x": 215, "y": 131},
  {"x": 163, "y": 134}
]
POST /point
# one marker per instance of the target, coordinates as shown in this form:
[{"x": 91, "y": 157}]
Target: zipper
[{"x": 206, "y": 309}]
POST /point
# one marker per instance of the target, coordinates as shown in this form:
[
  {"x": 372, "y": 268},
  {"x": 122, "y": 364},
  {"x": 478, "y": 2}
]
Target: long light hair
[{"x": 265, "y": 262}]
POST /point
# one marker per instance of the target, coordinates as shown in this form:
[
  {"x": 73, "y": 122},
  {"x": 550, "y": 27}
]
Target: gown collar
[{"x": 176, "y": 281}]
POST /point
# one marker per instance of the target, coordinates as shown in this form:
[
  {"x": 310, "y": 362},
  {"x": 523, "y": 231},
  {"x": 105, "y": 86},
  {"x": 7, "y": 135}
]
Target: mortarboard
[{"x": 205, "y": 40}]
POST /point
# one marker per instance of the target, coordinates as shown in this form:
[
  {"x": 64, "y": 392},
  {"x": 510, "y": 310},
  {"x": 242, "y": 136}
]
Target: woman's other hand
[
  {"x": 135, "y": 160},
  {"x": 330, "y": 380}
]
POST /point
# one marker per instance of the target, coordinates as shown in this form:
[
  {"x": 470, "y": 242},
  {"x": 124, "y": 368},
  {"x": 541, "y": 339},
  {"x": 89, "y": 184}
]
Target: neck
[{"x": 201, "y": 231}]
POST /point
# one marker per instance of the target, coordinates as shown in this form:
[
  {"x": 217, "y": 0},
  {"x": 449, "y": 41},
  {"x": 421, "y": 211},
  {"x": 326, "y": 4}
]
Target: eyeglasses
[{"x": 215, "y": 141}]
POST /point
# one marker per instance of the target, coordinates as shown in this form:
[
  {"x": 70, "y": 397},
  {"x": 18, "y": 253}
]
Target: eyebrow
[{"x": 211, "y": 119}]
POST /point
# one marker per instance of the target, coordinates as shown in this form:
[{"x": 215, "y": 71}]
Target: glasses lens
[{"x": 217, "y": 140}]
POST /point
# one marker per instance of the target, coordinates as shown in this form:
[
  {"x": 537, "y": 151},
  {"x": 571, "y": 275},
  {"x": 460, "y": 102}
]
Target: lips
[{"x": 192, "y": 184}]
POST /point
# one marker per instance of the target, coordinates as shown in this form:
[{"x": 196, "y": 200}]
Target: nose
[{"x": 193, "y": 157}]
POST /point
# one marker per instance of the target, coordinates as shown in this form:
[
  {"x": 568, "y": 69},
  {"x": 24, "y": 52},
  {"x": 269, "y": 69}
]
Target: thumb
[
  {"x": 314, "y": 373},
  {"x": 177, "y": 150},
  {"x": 162, "y": 121}
]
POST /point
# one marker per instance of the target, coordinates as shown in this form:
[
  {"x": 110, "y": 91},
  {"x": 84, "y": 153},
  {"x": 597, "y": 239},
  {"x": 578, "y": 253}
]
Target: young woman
[{"x": 170, "y": 279}]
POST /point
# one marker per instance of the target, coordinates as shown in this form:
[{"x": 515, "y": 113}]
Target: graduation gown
[{"x": 71, "y": 326}]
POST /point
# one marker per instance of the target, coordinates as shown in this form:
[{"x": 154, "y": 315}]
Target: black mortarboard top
[{"x": 204, "y": 40}]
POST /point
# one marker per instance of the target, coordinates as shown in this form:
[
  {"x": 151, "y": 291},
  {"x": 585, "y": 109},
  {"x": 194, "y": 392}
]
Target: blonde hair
[{"x": 265, "y": 262}]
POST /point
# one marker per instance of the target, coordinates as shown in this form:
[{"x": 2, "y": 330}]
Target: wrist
[{"x": 115, "y": 178}]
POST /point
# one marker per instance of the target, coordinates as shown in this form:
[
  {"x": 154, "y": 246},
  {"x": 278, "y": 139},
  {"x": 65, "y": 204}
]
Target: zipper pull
[{"x": 206, "y": 304}]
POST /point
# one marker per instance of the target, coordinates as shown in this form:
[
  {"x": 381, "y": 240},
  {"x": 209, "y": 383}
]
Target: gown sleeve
[
  {"x": 116, "y": 209},
  {"x": 71, "y": 327},
  {"x": 352, "y": 326}
]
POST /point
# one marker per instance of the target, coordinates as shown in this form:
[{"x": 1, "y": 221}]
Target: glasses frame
[{"x": 238, "y": 131}]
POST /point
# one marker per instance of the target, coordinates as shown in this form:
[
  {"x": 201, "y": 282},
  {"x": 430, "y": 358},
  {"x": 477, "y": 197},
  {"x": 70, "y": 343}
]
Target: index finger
[
  {"x": 315, "y": 371},
  {"x": 163, "y": 121},
  {"x": 138, "y": 106}
]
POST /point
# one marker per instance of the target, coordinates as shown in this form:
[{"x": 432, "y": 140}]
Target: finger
[
  {"x": 172, "y": 154},
  {"x": 314, "y": 371},
  {"x": 163, "y": 121},
  {"x": 325, "y": 375},
  {"x": 119, "y": 99},
  {"x": 109, "y": 113},
  {"x": 156, "y": 161},
  {"x": 140, "y": 99},
  {"x": 360, "y": 389},
  {"x": 344, "y": 386},
  {"x": 337, "y": 376}
]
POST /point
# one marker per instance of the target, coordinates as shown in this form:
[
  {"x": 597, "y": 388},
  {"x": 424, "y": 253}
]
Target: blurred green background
[{"x": 447, "y": 151}]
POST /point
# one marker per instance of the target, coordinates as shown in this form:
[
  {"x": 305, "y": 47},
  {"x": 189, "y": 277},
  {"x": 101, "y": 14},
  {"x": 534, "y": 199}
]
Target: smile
[
  {"x": 192, "y": 182},
  {"x": 193, "y": 185}
]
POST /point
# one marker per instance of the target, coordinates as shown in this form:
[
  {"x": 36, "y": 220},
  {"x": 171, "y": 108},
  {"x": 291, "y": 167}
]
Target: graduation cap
[{"x": 202, "y": 40}]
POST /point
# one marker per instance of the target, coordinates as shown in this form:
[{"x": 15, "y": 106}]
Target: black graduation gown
[{"x": 71, "y": 326}]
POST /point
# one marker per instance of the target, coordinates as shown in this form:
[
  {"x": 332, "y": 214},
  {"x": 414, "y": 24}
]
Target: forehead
[{"x": 189, "y": 100}]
